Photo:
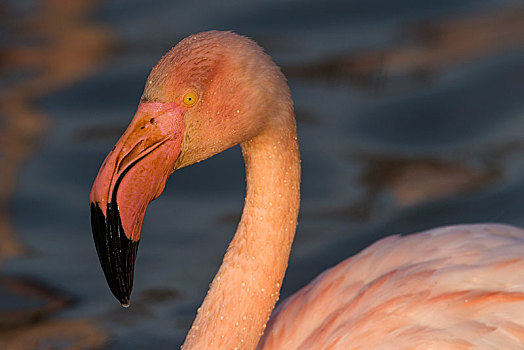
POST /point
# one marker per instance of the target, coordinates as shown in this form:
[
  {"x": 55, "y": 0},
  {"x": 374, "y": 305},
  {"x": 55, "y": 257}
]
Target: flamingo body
[{"x": 458, "y": 287}]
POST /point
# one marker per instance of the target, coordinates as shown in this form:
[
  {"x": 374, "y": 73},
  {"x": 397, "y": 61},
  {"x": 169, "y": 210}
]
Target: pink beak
[{"x": 132, "y": 175}]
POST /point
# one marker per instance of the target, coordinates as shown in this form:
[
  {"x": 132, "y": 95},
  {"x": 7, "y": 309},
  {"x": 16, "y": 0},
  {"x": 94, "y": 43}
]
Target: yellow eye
[{"x": 190, "y": 99}]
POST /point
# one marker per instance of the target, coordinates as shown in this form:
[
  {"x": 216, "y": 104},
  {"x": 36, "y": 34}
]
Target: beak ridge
[{"x": 132, "y": 175}]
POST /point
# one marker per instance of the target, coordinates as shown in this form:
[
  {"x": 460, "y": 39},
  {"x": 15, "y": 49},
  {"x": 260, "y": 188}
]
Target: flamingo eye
[{"x": 190, "y": 99}]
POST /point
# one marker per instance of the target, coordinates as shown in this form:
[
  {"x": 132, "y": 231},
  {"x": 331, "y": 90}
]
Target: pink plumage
[{"x": 456, "y": 287}]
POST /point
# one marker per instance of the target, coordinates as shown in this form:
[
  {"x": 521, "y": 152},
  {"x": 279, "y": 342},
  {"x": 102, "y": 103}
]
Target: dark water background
[{"x": 410, "y": 116}]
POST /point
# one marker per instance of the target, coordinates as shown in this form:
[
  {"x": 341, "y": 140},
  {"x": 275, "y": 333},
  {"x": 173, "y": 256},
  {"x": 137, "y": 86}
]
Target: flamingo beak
[{"x": 132, "y": 175}]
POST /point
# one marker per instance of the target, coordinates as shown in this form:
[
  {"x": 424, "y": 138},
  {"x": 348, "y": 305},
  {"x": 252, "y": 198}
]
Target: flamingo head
[{"x": 210, "y": 92}]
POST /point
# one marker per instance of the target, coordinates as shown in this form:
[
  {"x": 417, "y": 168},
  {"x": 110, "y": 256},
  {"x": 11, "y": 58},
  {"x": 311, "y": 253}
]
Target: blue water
[{"x": 468, "y": 112}]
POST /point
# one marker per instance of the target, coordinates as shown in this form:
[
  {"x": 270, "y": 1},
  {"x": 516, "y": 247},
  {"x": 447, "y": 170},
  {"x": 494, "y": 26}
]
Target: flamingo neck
[{"x": 247, "y": 285}]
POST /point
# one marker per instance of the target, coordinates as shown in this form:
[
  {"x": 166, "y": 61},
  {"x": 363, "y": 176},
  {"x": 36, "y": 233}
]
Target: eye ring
[{"x": 189, "y": 99}]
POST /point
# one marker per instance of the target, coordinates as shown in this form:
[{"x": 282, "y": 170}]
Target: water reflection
[
  {"x": 424, "y": 48},
  {"x": 28, "y": 321},
  {"x": 54, "y": 45},
  {"x": 409, "y": 180},
  {"x": 51, "y": 44}
]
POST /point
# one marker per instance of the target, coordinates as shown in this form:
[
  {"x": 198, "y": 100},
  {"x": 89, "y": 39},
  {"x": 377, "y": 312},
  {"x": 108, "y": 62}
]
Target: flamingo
[{"x": 455, "y": 287}]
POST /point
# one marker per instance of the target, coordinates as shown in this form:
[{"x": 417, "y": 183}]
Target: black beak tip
[
  {"x": 116, "y": 252},
  {"x": 125, "y": 302}
]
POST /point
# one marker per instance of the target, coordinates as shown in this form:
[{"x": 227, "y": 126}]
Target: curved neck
[{"x": 247, "y": 285}]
